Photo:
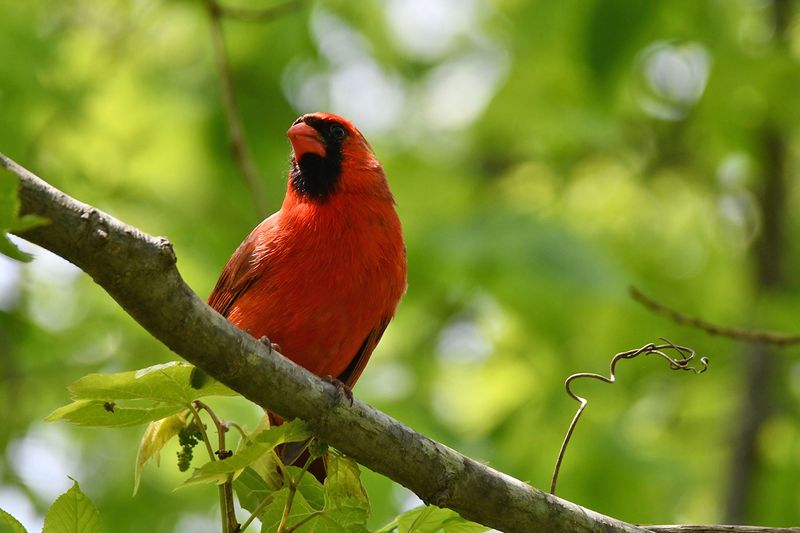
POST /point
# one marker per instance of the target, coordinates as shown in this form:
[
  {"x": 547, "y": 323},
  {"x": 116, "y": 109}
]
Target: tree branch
[
  {"x": 722, "y": 529},
  {"x": 239, "y": 147},
  {"x": 139, "y": 272},
  {"x": 745, "y": 335}
]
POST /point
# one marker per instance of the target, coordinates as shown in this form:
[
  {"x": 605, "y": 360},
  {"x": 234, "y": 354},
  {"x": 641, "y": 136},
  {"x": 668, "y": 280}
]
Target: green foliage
[
  {"x": 98, "y": 413},
  {"x": 624, "y": 142},
  {"x": 263, "y": 443},
  {"x": 159, "y": 433},
  {"x": 9, "y": 524},
  {"x": 343, "y": 484},
  {"x": 431, "y": 519},
  {"x": 172, "y": 382},
  {"x": 73, "y": 512},
  {"x": 251, "y": 489},
  {"x": 166, "y": 389},
  {"x": 283, "y": 497}
]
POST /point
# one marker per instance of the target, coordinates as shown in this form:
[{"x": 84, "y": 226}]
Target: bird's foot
[
  {"x": 342, "y": 390},
  {"x": 271, "y": 346}
]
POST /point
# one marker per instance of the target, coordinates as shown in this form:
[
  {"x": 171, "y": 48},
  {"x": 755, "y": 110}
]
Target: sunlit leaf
[
  {"x": 309, "y": 486},
  {"x": 273, "y": 513},
  {"x": 96, "y": 413},
  {"x": 157, "y": 434},
  {"x": 350, "y": 516},
  {"x": 431, "y": 519},
  {"x": 169, "y": 382},
  {"x": 343, "y": 482},
  {"x": 218, "y": 471},
  {"x": 251, "y": 489},
  {"x": 72, "y": 512},
  {"x": 9, "y": 524}
]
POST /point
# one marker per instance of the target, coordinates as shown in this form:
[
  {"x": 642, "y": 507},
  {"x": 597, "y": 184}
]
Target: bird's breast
[{"x": 331, "y": 274}]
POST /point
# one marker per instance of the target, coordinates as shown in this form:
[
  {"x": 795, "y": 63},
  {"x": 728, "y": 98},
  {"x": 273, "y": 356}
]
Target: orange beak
[{"x": 305, "y": 140}]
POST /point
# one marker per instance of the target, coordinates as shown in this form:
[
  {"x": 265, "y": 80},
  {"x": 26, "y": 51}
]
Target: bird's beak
[{"x": 305, "y": 140}]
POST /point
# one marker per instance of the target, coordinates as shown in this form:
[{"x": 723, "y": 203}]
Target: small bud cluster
[{"x": 188, "y": 439}]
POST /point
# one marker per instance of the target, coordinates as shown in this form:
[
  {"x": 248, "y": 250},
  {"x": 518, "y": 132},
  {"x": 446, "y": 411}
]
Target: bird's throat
[{"x": 314, "y": 176}]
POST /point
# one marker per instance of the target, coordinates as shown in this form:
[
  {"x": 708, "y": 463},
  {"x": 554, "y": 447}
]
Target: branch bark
[{"x": 139, "y": 272}]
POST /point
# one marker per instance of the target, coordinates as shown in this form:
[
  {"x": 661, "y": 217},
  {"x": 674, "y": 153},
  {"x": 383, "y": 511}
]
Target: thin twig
[
  {"x": 266, "y": 14},
  {"x": 257, "y": 511},
  {"x": 203, "y": 433},
  {"x": 239, "y": 147},
  {"x": 283, "y": 527},
  {"x": 227, "y": 488},
  {"x": 681, "y": 363},
  {"x": 212, "y": 457},
  {"x": 746, "y": 335}
]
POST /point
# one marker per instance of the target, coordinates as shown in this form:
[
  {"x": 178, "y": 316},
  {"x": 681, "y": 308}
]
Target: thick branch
[
  {"x": 139, "y": 272},
  {"x": 722, "y": 529}
]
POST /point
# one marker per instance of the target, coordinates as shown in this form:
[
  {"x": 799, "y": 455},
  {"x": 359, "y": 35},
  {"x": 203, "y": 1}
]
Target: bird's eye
[{"x": 338, "y": 132}]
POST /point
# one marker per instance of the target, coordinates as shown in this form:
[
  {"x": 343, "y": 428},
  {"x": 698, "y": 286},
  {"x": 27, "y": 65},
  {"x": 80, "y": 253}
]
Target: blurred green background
[{"x": 544, "y": 156}]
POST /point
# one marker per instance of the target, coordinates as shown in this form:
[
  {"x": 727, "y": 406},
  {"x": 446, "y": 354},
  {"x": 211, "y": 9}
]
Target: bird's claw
[
  {"x": 271, "y": 346},
  {"x": 342, "y": 390}
]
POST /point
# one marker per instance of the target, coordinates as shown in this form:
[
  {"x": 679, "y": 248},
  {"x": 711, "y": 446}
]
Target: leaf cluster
[{"x": 283, "y": 497}]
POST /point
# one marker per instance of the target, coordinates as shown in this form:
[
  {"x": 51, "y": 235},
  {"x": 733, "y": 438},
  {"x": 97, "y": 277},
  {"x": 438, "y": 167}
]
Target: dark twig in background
[
  {"x": 745, "y": 335},
  {"x": 241, "y": 152},
  {"x": 686, "y": 355},
  {"x": 249, "y": 14}
]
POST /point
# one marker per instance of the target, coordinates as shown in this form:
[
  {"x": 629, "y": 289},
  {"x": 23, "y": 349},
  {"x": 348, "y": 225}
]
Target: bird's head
[{"x": 330, "y": 155}]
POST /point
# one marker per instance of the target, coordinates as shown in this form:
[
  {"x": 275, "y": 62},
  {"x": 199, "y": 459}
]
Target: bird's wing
[
  {"x": 356, "y": 366},
  {"x": 237, "y": 276}
]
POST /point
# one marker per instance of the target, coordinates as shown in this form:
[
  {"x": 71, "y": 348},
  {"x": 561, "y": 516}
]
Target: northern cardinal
[{"x": 323, "y": 276}]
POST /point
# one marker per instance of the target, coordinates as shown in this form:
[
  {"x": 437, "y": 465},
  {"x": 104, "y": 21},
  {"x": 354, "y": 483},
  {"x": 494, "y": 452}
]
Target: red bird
[{"x": 323, "y": 276}]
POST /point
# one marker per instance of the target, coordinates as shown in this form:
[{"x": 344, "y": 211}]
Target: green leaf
[
  {"x": 431, "y": 519},
  {"x": 9, "y": 524},
  {"x": 9, "y": 219},
  {"x": 350, "y": 516},
  {"x": 172, "y": 382},
  {"x": 309, "y": 486},
  {"x": 343, "y": 483},
  {"x": 157, "y": 434},
  {"x": 97, "y": 413},
  {"x": 218, "y": 471},
  {"x": 271, "y": 517},
  {"x": 72, "y": 512},
  {"x": 251, "y": 489}
]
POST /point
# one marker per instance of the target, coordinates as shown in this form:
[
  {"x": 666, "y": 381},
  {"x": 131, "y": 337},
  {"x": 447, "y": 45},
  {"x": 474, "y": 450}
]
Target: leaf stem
[
  {"x": 230, "y": 525},
  {"x": 292, "y": 486},
  {"x": 304, "y": 521},
  {"x": 203, "y": 432},
  {"x": 257, "y": 511}
]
